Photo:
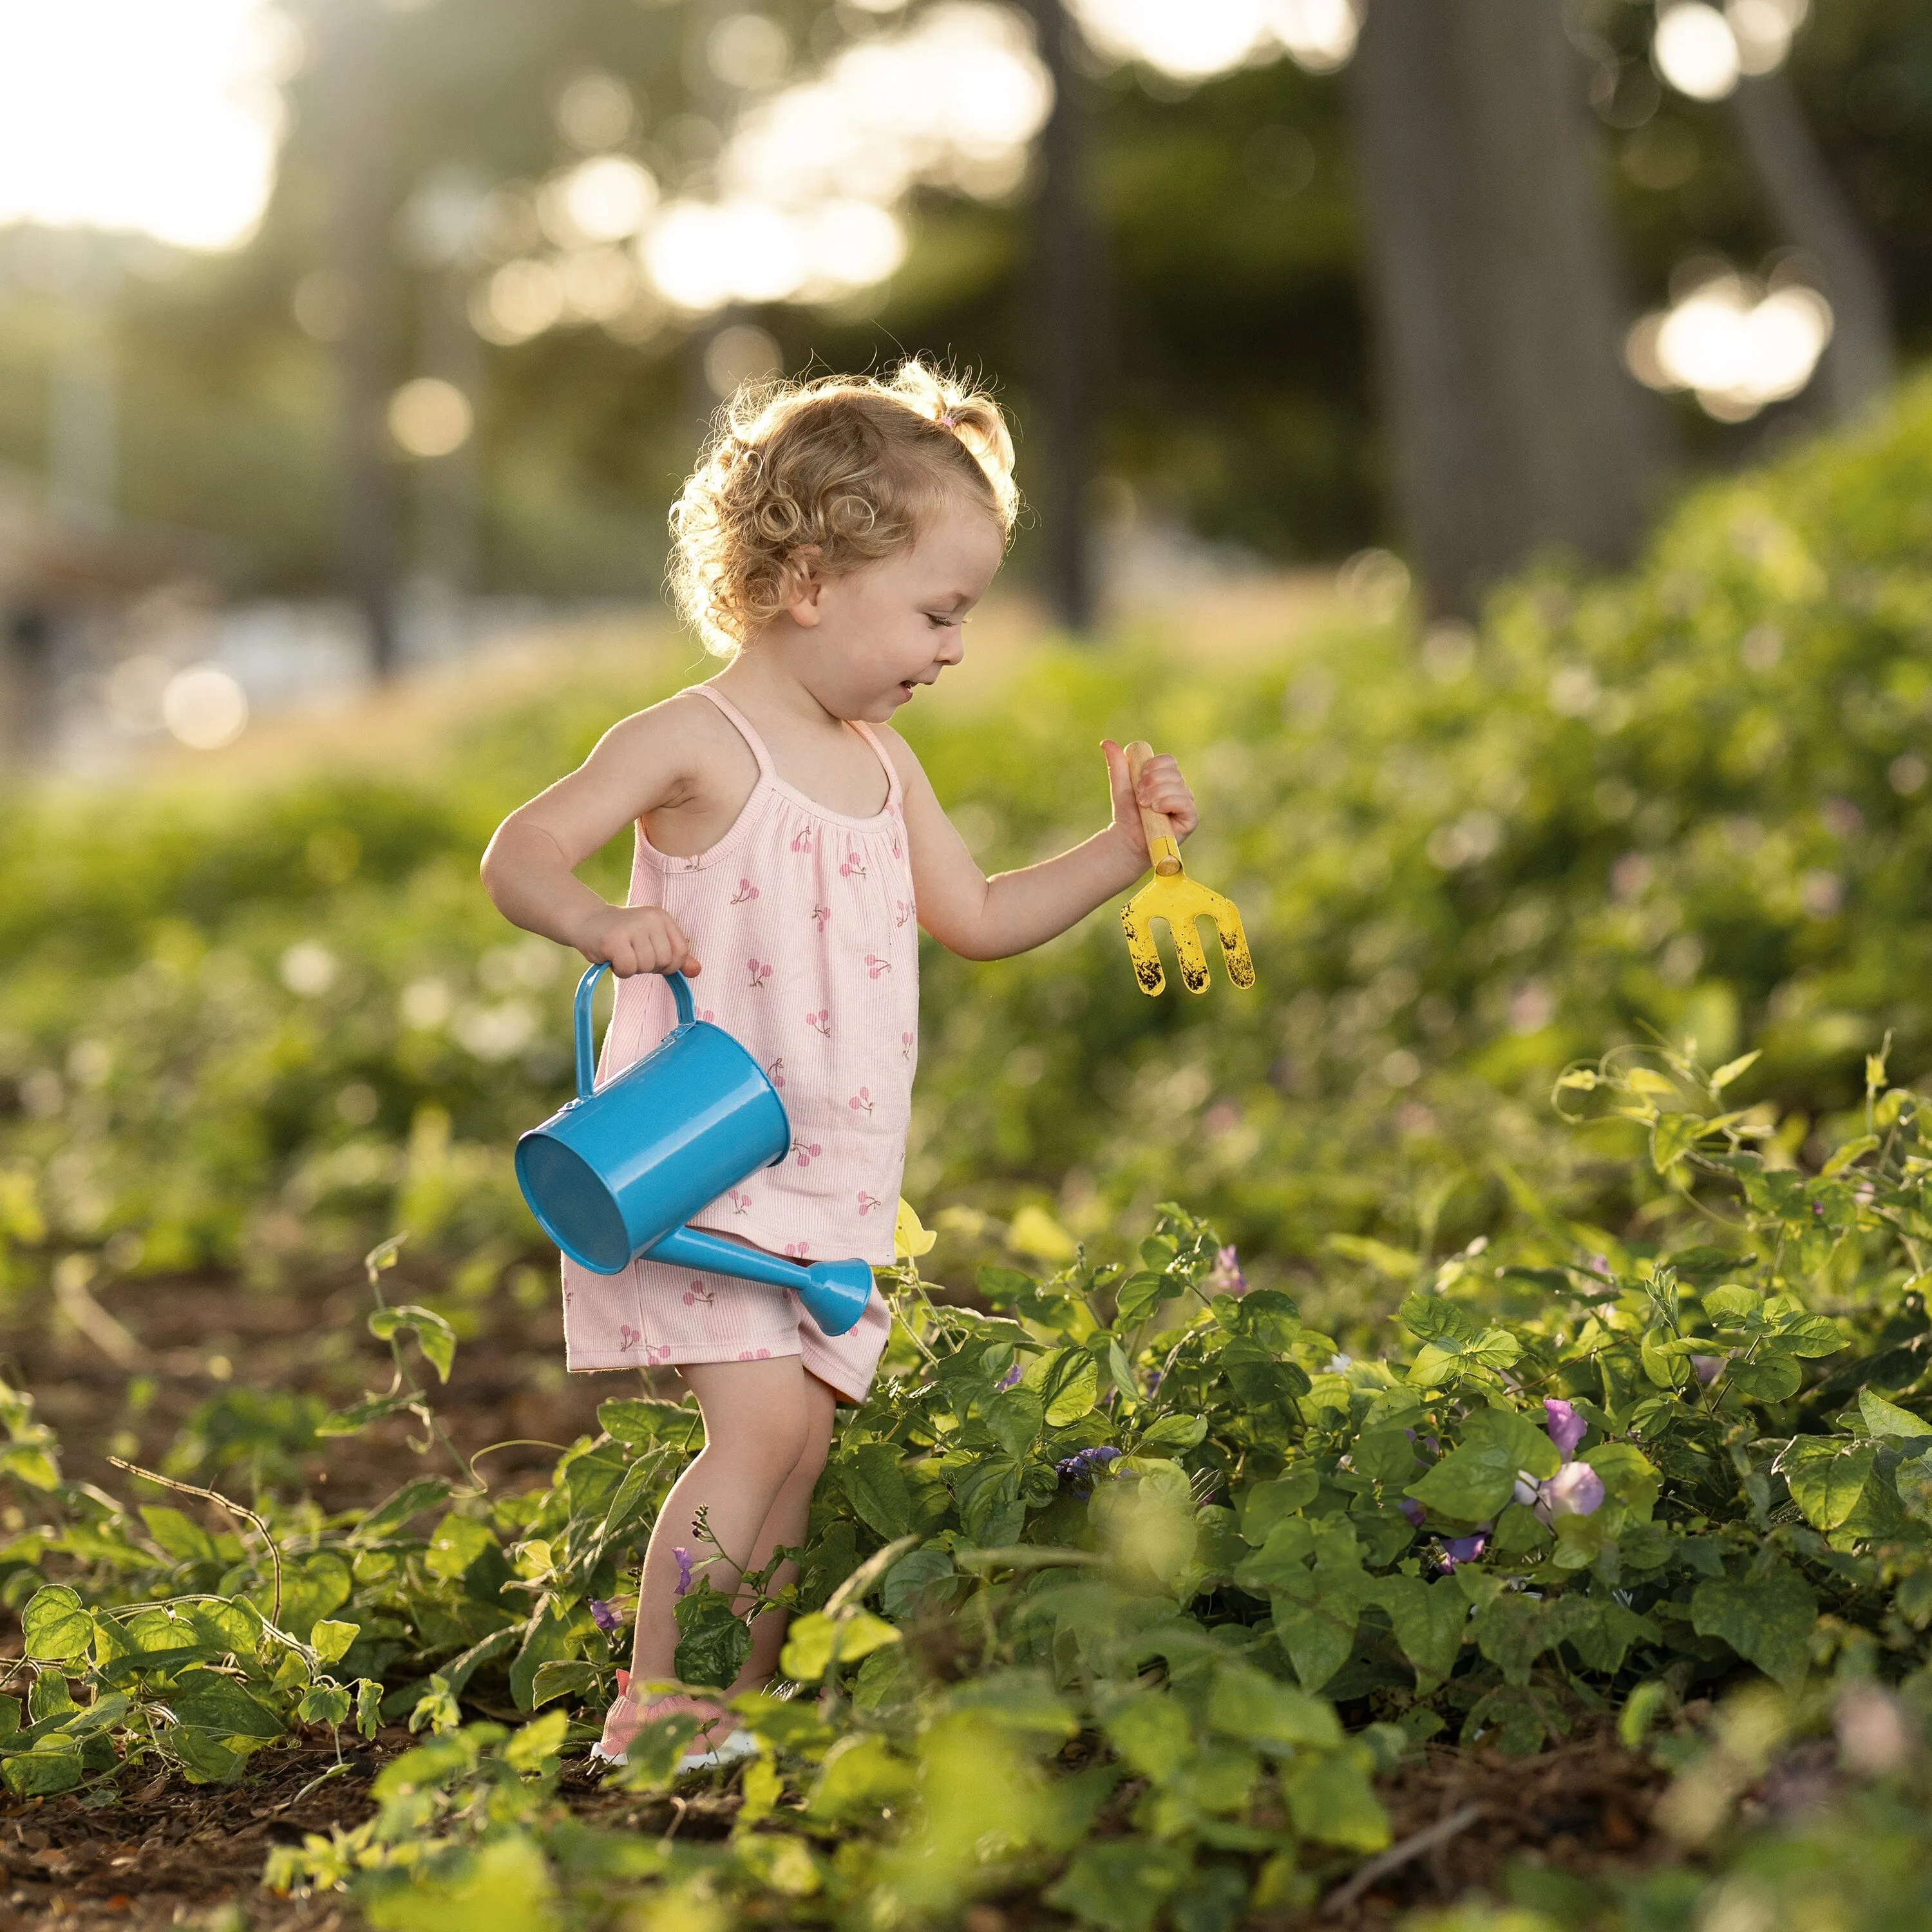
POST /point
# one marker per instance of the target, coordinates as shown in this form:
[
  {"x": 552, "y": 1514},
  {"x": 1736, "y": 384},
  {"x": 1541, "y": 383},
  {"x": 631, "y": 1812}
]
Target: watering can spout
[{"x": 835, "y": 1293}]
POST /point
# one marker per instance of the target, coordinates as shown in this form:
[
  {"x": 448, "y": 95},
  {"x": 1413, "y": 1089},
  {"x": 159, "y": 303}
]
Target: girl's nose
[{"x": 954, "y": 648}]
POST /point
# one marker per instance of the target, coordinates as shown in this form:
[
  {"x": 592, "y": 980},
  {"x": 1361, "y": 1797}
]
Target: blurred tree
[
  {"x": 1070, "y": 320},
  {"x": 1513, "y": 421}
]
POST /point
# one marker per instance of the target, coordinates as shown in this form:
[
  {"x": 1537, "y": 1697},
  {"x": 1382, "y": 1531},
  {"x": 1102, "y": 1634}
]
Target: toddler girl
[{"x": 828, "y": 546}]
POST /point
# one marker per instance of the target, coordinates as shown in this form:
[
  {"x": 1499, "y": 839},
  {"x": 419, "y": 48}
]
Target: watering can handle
[
  {"x": 586, "y": 1051},
  {"x": 1163, "y": 848}
]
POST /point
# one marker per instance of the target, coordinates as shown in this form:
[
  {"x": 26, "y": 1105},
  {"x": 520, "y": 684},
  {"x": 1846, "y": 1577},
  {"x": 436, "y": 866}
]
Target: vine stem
[{"x": 234, "y": 1509}]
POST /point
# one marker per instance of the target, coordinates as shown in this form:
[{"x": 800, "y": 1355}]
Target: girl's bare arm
[
  {"x": 647, "y": 763},
  {"x": 981, "y": 918}
]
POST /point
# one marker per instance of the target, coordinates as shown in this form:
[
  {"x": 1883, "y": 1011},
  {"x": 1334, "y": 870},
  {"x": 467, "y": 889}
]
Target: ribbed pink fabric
[{"x": 803, "y": 919}]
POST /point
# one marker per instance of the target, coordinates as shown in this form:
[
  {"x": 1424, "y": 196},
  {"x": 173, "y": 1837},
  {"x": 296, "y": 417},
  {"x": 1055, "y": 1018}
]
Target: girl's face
[{"x": 863, "y": 642}]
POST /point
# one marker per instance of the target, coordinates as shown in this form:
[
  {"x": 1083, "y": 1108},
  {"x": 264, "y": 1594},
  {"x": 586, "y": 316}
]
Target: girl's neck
[{"x": 758, "y": 680}]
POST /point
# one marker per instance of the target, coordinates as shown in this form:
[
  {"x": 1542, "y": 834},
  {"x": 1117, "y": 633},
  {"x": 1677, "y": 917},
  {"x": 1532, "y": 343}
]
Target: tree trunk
[
  {"x": 1512, "y": 421},
  {"x": 1068, "y": 329},
  {"x": 1858, "y": 363},
  {"x": 364, "y": 209}
]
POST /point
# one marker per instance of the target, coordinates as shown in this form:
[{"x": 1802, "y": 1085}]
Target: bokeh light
[
  {"x": 1696, "y": 51},
  {"x": 1735, "y": 346},
  {"x": 610, "y": 198},
  {"x": 430, "y": 417},
  {"x": 1763, "y": 30},
  {"x": 204, "y": 707},
  {"x": 1207, "y": 37},
  {"x": 156, "y": 119}
]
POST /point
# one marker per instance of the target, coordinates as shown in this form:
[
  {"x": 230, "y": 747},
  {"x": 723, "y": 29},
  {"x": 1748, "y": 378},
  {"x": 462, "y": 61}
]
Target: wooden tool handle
[{"x": 1163, "y": 848}]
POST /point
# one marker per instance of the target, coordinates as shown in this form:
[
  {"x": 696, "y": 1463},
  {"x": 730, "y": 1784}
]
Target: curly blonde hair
[{"x": 828, "y": 475}]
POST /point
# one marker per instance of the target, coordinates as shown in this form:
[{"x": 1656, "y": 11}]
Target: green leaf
[
  {"x": 1120, "y": 1885},
  {"x": 563, "y": 1677},
  {"x": 1153, "y": 1734},
  {"x": 1265, "y": 1504},
  {"x": 1672, "y": 1137},
  {"x": 875, "y": 1486},
  {"x": 1768, "y": 1378},
  {"x": 330, "y": 1640},
  {"x": 1731, "y": 1069},
  {"x": 1248, "y": 1703},
  {"x": 411, "y": 1500},
  {"x": 454, "y": 1545},
  {"x": 55, "y": 1625},
  {"x": 1827, "y": 1476},
  {"x": 534, "y": 1747},
  {"x": 904, "y": 1591},
  {"x": 220, "y": 1705},
  {"x": 1014, "y": 1417},
  {"x": 1175, "y": 1433},
  {"x": 1331, "y": 1800},
  {"x": 323, "y": 1704},
  {"x": 368, "y": 1706},
  {"x": 1767, "y": 1619},
  {"x": 713, "y": 1642},
  {"x": 1809, "y": 1335},
  {"x": 434, "y": 1336},
  {"x": 1383, "y": 1455},
  {"x": 1072, "y": 1392},
  {"x": 860, "y": 1776},
  {"x": 1885, "y": 1418},
  {"x": 642, "y": 1424},
  {"x": 1428, "y": 1619},
  {"x": 52, "y": 1766},
  {"x": 183, "y": 1539},
  {"x": 1316, "y": 1628},
  {"x": 816, "y": 1640}
]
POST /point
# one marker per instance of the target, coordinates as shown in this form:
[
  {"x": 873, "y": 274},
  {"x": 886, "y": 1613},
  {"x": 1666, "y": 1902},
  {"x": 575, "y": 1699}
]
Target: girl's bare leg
[
  {"x": 756, "y": 1416},
  {"x": 785, "y": 1524}
]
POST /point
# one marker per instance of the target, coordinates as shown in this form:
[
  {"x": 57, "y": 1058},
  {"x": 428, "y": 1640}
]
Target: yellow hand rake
[{"x": 1171, "y": 895}]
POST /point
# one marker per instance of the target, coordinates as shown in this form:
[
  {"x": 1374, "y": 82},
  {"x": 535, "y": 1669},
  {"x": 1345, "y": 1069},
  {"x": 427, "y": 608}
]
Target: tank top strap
[
  {"x": 742, "y": 726},
  {"x": 893, "y": 787}
]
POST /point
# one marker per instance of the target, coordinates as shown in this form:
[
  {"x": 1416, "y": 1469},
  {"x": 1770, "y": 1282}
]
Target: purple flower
[
  {"x": 683, "y": 1556},
  {"x": 1708, "y": 1367},
  {"x": 1078, "y": 1467},
  {"x": 1566, "y": 1427},
  {"x": 1465, "y": 1549},
  {"x": 1009, "y": 1379},
  {"x": 1575, "y": 1490},
  {"x": 1226, "y": 1277},
  {"x": 605, "y": 1617},
  {"x": 1413, "y": 1510}
]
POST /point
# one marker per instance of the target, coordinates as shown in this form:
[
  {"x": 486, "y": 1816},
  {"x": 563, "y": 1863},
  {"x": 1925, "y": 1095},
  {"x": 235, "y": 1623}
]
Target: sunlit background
[{"x": 340, "y": 335}]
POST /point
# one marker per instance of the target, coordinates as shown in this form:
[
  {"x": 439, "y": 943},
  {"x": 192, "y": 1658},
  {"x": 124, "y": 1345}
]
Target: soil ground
[{"x": 171, "y": 1854}]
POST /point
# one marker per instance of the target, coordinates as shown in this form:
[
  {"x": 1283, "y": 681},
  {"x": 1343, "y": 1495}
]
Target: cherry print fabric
[{"x": 804, "y": 919}]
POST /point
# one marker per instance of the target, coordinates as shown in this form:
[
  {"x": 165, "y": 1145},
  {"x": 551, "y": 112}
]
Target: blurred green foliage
[{"x": 260, "y": 1022}]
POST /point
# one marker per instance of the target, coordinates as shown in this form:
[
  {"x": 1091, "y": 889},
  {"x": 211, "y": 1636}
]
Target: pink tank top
[{"x": 803, "y": 920}]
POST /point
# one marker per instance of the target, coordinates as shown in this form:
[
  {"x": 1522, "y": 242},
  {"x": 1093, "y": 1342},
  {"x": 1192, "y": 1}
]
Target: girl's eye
[{"x": 943, "y": 623}]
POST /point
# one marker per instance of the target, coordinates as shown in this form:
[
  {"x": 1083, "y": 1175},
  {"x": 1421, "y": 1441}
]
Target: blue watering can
[{"x": 618, "y": 1170}]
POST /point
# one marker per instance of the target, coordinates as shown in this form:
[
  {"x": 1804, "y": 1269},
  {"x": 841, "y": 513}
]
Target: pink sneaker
[{"x": 630, "y": 1714}]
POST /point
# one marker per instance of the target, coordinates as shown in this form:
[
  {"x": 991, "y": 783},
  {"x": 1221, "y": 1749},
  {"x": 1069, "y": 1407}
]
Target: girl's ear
[{"x": 804, "y": 587}]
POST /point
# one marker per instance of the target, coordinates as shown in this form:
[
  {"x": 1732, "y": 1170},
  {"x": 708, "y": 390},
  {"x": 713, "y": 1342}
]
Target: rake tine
[
  {"x": 1234, "y": 954},
  {"x": 1142, "y": 950},
  {"x": 1188, "y": 954}
]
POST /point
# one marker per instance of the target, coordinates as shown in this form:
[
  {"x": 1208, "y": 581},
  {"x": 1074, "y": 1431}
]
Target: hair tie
[{"x": 948, "y": 422}]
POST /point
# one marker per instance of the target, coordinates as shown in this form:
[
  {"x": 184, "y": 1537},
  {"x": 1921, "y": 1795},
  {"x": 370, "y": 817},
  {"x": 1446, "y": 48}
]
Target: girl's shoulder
[
  {"x": 905, "y": 760},
  {"x": 687, "y": 738}
]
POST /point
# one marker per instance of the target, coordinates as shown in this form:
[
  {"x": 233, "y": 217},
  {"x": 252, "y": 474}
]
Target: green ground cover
[{"x": 1158, "y": 1551}]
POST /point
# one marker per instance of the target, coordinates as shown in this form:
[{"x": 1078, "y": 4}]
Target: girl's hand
[
  {"x": 1162, "y": 789},
  {"x": 637, "y": 939}
]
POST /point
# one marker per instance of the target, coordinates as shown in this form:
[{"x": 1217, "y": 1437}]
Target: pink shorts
[{"x": 653, "y": 1316}]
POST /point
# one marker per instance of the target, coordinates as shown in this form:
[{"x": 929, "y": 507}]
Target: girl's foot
[{"x": 716, "y": 1743}]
